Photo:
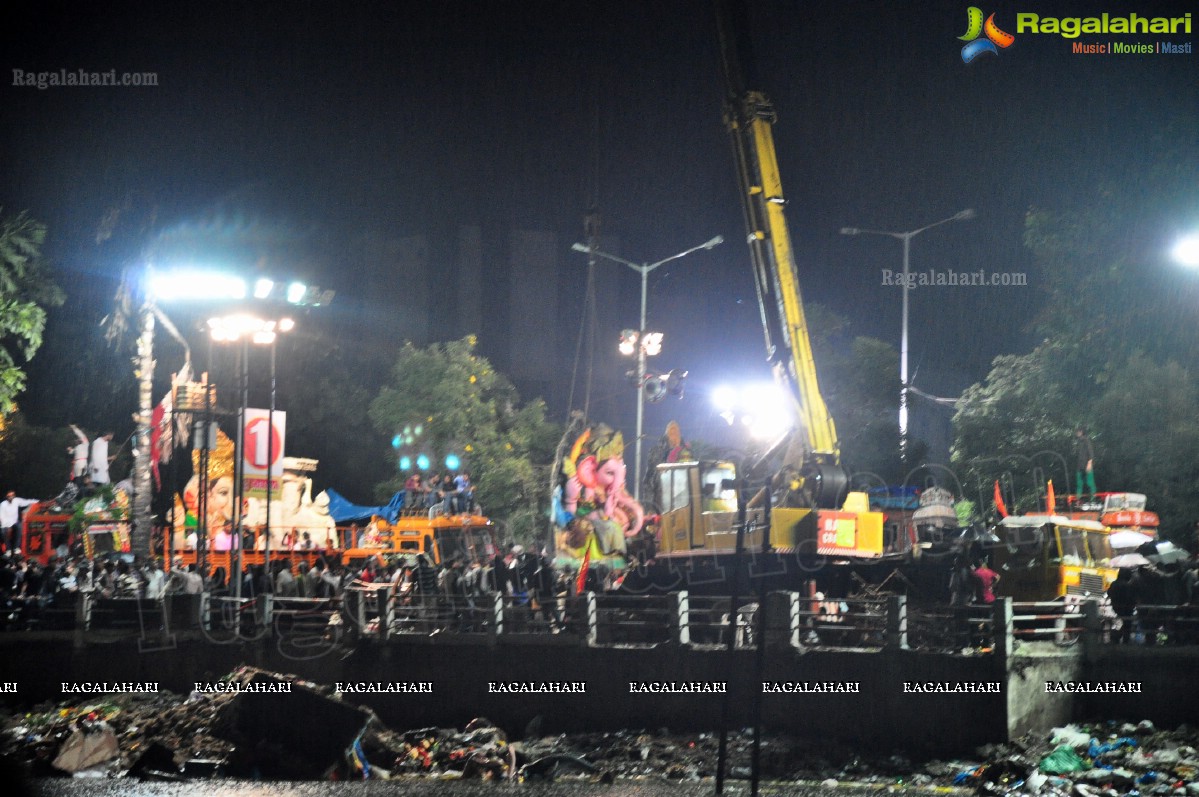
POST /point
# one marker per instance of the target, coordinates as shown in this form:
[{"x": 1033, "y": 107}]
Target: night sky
[{"x": 311, "y": 124}]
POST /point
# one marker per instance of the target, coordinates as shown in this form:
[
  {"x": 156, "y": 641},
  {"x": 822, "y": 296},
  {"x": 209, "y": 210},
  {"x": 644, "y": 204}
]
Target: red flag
[
  {"x": 581, "y": 581},
  {"x": 999, "y": 501},
  {"x": 1051, "y": 499}
]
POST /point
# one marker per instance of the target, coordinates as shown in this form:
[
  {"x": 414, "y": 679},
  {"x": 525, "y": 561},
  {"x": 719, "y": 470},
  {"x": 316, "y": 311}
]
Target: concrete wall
[
  {"x": 880, "y": 716},
  {"x": 1029, "y": 706},
  {"x": 1169, "y": 688}
]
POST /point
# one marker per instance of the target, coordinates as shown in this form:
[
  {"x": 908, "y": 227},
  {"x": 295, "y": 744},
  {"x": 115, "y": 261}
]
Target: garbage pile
[
  {"x": 1100, "y": 760},
  {"x": 109, "y": 735},
  {"x": 241, "y": 733}
]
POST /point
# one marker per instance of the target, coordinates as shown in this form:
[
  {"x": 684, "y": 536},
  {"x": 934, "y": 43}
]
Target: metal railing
[
  {"x": 786, "y": 619},
  {"x": 952, "y": 628},
  {"x": 1061, "y": 623}
]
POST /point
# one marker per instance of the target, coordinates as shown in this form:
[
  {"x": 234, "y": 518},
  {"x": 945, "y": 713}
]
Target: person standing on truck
[
  {"x": 78, "y": 453},
  {"x": 100, "y": 459},
  {"x": 10, "y": 518},
  {"x": 1084, "y": 468}
]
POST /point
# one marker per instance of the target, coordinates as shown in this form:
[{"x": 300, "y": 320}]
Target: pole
[
  {"x": 641, "y": 365},
  {"x": 239, "y": 472},
  {"x": 270, "y": 461},
  {"x": 644, "y": 269},
  {"x": 202, "y": 480},
  {"x": 734, "y": 599},
  {"x": 906, "y": 237},
  {"x": 140, "y": 535},
  {"x": 903, "y": 354}
]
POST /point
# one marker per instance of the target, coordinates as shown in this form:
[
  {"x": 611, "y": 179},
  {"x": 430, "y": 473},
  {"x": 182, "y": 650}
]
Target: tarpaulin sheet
[{"x": 341, "y": 510}]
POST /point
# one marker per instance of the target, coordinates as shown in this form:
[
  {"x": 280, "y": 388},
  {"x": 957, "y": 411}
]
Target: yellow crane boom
[{"x": 814, "y": 454}]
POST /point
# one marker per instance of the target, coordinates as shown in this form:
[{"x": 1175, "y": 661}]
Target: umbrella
[
  {"x": 1127, "y": 539},
  {"x": 1128, "y": 560},
  {"x": 1168, "y": 553}
]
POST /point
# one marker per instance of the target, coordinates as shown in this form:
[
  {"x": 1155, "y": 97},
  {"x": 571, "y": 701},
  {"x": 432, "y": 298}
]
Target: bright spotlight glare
[
  {"x": 628, "y": 342},
  {"x": 725, "y": 398},
  {"x": 652, "y": 341},
  {"x": 196, "y": 285},
  {"x": 262, "y": 288},
  {"x": 286, "y": 325},
  {"x": 770, "y": 416},
  {"x": 296, "y": 292},
  {"x": 1186, "y": 251}
]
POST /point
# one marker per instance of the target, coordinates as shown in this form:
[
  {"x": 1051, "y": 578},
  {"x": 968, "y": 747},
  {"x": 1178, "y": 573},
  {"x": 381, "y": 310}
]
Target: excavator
[{"x": 807, "y": 514}]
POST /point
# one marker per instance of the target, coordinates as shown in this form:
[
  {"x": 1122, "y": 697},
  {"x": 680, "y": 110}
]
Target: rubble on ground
[
  {"x": 173, "y": 737},
  {"x": 1106, "y": 759}
]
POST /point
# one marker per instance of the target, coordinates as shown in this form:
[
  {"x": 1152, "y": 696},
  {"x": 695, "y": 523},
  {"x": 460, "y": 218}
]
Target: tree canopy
[
  {"x": 444, "y": 399},
  {"x": 25, "y": 292},
  {"x": 859, "y": 378},
  {"x": 1117, "y": 356}
]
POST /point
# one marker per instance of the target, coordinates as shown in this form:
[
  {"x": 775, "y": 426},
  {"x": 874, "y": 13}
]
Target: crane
[{"x": 812, "y": 474}]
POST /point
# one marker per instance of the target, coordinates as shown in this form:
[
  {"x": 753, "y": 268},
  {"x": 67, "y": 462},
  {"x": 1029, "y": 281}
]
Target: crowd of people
[
  {"x": 444, "y": 492},
  {"x": 29, "y": 588},
  {"x": 456, "y": 594}
]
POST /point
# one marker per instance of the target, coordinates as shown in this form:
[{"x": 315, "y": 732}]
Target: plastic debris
[
  {"x": 169, "y": 737},
  {"x": 1070, "y": 735},
  {"x": 1063, "y": 760}
]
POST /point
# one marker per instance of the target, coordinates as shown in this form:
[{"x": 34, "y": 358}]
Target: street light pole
[
  {"x": 644, "y": 269},
  {"x": 641, "y": 366},
  {"x": 270, "y": 466},
  {"x": 250, "y": 329},
  {"x": 239, "y": 471},
  {"x": 906, "y": 237}
]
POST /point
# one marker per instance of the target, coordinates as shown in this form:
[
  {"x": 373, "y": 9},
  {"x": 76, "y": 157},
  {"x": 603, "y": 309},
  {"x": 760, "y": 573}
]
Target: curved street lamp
[
  {"x": 906, "y": 237},
  {"x": 644, "y": 269}
]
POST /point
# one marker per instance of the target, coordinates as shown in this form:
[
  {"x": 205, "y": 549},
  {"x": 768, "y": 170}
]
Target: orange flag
[
  {"x": 999, "y": 505},
  {"x": 582, "y": 579}
]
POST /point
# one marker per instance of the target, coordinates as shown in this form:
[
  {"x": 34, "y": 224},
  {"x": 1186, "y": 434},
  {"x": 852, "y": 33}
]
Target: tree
[
  {"x": 1117, "y": 355},
  {"x": 32, "y": 458},
  {"x": 1019, "y": 420},
  {"x": 25, "y": 291},
  {"x": 1147, "y": 431},
  {"x": 444, "y": 399},
  {"x": 858, "y": 378}
]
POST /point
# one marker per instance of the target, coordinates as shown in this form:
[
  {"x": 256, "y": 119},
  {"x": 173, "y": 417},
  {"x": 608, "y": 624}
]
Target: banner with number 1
[{"x": 262, "y": 452}]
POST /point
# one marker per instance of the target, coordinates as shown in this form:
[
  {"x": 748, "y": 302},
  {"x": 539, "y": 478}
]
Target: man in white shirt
[
  {"x": 155, "y": 581},
  {"x": 100, "y": 458},
  {"x": 10, "y": 516},
  {"x": 79, "y": 453}
]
